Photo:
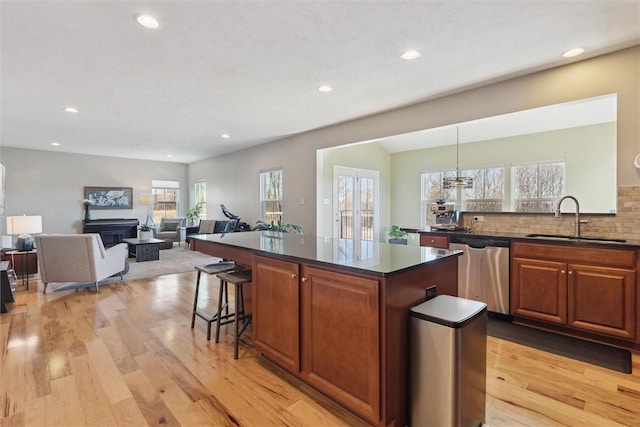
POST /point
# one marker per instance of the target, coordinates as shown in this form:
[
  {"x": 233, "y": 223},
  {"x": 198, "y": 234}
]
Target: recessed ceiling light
[
  {"x": 410, "y": 54},
  {"x": 147, "y": 21},
  {"x": 71, "y": 109},
  {"x": 573, "y": 52},
  {"x": 225, "y": 135},
  {"x": 325, "y": 88},
  {"x": 55, "y": 144},
  {"x": 169, "y": 155}
]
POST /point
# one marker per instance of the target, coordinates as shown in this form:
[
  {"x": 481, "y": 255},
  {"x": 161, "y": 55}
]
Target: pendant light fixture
[{"x": 458, "y": 181}]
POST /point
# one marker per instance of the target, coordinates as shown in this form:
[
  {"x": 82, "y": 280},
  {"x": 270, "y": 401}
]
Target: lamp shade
[
  {"x": 24, "y": 224},
  {"x": 147, "y": 199}
]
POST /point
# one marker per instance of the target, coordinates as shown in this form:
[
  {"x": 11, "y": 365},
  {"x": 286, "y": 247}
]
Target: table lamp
[
  {"x": 149, "y": 200},
  {"x": 23, "y": 226}
]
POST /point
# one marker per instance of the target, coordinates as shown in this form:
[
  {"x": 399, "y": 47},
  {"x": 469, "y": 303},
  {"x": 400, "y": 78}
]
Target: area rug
[
  {"x": 613, "y": 358},
  {"x": 175, "y": 260}
]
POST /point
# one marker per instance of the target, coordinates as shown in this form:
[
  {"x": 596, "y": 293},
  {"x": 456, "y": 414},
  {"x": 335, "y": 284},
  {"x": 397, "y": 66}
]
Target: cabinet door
[
  {"x": 601, "y": 300},
  {"x": 276, "y": 311},
  {"x": 341, "y": 339},
  {"x": 539, "y": 290}
]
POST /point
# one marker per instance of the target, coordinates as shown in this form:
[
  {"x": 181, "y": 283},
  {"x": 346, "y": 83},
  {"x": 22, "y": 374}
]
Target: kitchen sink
[{"x": 565, "y": 237}]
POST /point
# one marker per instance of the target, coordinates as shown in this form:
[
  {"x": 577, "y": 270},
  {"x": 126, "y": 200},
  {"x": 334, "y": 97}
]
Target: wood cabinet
[
  {"x": 340, "y": 329},
  {"x": 427, "y": 239},
  {"x": 276, "y": 311},
  {"x": 341, "y": 338},
  {"x": 584, "y": 288},
  {"x": 7, "y": 285},
  {"x": 22, "y": 262}
]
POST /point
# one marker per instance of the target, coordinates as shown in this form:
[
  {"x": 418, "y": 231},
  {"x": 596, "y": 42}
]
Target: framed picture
[{"x": 109, "y": 197}]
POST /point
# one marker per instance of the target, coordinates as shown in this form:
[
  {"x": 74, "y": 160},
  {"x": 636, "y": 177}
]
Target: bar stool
[
  {"x": 219, "y": 267},
  {"x": 237, "y": 279}
]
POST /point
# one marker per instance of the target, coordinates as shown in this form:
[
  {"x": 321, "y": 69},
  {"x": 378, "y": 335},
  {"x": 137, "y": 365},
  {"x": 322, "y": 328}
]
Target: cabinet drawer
[
  {"x": 434, "y": 241},
  {"x": 624, "y": 258}
]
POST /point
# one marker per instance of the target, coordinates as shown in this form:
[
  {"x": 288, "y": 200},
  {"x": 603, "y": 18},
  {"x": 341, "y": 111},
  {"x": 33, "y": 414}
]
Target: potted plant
[
  {"x": 145, "y": 232},
  {"x": 396, "y": 235},
  {"x": 278, "y": 226},
  {"x": 193, "y": 215}
]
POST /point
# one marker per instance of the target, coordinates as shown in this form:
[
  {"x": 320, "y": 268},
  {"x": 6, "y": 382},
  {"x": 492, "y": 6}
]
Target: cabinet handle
[
  {"x": 563, "y": 272},
  {"x": 294, "y": 275},
  {"x": 570, "y": 271},
  {"x": 304, "y": 279}
]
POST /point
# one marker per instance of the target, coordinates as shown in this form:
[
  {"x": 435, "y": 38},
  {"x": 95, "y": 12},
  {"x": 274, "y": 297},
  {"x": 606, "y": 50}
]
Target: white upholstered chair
[{"x": 78, "y": 258}]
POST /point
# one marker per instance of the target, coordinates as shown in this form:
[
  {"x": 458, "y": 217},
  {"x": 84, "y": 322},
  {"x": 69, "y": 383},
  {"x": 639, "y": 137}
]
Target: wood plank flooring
[{"x": 128, "y": 357}]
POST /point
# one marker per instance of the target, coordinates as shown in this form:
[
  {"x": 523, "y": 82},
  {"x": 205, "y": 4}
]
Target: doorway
[{"x": 355, "y": 204}]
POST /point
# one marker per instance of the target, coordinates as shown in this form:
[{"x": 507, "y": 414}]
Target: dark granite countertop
[
  {"x": 377, "y": 258},
  {"x": 529, "y": 237}
]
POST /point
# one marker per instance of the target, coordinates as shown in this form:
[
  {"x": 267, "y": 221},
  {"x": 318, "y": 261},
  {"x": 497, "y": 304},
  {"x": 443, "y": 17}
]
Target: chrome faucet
[{"x": 577, "y": 223}]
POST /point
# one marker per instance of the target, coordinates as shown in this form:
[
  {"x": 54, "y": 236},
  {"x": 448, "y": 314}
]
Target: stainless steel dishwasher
[{"x": 483, "y": 270}]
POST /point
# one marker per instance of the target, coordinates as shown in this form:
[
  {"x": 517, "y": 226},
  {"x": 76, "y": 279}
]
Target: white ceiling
[{"x": 251, "y": 68}]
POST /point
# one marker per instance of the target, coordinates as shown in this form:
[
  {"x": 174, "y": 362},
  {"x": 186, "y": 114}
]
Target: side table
[{"x": 24, "y": 263}]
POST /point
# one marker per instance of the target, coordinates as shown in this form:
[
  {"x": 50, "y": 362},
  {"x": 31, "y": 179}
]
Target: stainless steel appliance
[
  {"x": 483, "y": 270},
  {"x": 448, "y": 341},
  {"x": 447, "y": 218}
]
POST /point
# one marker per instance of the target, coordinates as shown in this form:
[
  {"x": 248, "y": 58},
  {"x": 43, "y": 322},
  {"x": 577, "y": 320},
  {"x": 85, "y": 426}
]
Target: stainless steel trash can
[{"x": 448, "y": 352}]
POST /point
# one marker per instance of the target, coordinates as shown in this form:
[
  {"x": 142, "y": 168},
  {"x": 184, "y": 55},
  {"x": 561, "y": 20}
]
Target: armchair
[
  {"x": 78, "y": 258},
  {"x": 169, "y": 231}
]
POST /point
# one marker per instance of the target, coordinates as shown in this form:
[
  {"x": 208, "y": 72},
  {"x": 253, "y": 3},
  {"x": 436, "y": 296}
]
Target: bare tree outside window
[
  {"x": 487, "y": 193},
  {"x": 433, "y": 189},
  {"x": 537, "y": 186},
  {"x": 271, "y": 195}
]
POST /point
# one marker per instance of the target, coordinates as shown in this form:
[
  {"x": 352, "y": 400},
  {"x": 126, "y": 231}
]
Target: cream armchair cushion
[
  {"x": 169, "y": 230},
  {"x": 78, "y": 258}
]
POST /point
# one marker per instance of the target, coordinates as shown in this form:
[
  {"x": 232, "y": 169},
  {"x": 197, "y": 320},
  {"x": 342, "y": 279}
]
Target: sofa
[{"x": 169, "y": 231}]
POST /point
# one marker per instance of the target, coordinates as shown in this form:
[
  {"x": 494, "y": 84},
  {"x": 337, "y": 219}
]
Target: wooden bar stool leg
[
  {"x": 238, "y": 298},
  {"x": 195, "y": 301},
  {"x": 223, "y": 291}
]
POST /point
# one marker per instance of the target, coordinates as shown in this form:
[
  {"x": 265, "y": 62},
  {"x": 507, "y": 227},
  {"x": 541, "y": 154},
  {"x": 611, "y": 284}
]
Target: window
[
  {"x": 200, "y": 192},
  {"x": 271, "y": 195},
  {"x": 487, "y": 193},
  {"x": 536, "y": 186},
  {"x": 167, "y": 197},
  {"x": 432, "y": 190}
]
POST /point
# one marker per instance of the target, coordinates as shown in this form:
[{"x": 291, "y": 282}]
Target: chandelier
[{"x": 458, "y": 181}]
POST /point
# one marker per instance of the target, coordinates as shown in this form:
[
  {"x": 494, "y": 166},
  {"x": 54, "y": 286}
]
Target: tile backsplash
[{"x": 625, "y": 224}]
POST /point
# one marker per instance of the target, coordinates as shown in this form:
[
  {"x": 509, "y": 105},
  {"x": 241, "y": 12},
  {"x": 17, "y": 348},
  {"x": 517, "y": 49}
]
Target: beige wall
[
  {"x": 37, "y": 179},
  {"x": 233, "y": 179},
  {"x": 51, "y": 184}
]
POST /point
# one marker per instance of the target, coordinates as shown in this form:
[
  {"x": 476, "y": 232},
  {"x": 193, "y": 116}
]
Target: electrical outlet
[
  {"x": 431, "y": 292},
  {"x": 478, "y": 218}
]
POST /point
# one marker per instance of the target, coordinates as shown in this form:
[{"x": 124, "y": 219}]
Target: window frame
[{"x": 265, "y": 214}]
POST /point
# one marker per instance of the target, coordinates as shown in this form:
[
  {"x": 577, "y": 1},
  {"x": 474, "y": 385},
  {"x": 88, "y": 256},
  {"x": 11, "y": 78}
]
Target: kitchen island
[{"x": 335, "y": 313}]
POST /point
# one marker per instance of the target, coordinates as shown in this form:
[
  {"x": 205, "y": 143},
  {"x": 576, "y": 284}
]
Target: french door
[{"x": 355, "y": 204}]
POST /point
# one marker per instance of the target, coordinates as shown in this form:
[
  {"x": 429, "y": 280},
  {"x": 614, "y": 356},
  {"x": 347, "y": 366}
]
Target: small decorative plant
[
  {"x": 278, "y": 226},
  {"x": 193, "y": 214},
  {"x": 396, "y": 235},
  {"x": 145, "y": 227}
]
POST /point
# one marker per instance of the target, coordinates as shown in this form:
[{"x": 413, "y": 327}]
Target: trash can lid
[{"x": 449, "y": 311}]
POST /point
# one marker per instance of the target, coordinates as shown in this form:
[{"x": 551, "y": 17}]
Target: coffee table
[{"x": 144, "y": 250}]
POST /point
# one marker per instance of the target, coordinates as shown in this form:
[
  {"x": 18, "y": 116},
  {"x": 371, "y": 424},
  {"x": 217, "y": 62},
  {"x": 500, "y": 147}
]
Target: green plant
[
  {"x": 396, "y": 233},
  {"x": 145, "y": 227},
  {"x": 278, "y": 226},
  {"x": 194, "y": 213}
]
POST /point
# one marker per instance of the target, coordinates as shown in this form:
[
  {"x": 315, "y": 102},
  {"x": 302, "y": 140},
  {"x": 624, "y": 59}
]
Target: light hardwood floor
[{"x": 127, "y": 356}]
